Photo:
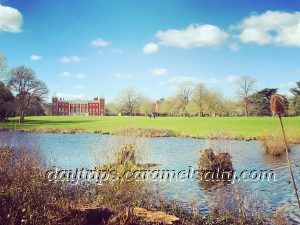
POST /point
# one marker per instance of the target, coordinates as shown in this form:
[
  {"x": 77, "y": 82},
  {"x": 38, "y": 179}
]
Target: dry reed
[{"x": 278, "y": 107}]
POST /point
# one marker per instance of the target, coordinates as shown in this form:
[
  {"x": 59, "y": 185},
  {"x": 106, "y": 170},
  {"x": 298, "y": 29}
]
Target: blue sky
[{"x": 96, "y": 47}]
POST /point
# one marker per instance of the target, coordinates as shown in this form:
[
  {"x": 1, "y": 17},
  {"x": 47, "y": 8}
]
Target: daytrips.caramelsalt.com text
[{"x": 97, "y": 176}]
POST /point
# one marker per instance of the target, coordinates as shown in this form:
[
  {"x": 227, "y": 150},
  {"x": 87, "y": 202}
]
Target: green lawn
[{"x": 198, "y": 127}]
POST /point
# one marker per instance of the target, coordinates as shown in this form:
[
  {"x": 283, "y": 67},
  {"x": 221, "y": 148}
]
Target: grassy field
[{"x": 247, "y": 127}]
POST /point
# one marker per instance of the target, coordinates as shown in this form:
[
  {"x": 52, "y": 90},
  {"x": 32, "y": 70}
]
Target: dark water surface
[{"x": 72, "y": 151}]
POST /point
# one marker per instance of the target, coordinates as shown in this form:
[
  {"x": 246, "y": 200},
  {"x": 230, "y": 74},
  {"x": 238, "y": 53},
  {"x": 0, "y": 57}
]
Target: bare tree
[
  {"x": 27, "y": 88},
  {"x": 214, "y": 102},
  {"x": 246, "y": 85},
  {"x": 183, "y": 96},
  {"x": 198, "y": 97},
  {"x": 146, "y": 106},
  {"x": 130, "y": 101}
]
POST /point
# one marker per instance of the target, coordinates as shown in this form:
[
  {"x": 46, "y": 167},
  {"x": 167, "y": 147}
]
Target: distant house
[
  {"x": 62, "y": 107},
  {"x": 155, "y": 107}
]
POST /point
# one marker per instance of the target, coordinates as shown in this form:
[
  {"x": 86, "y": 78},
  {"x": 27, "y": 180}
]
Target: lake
[{"x": 71, "y": 151}]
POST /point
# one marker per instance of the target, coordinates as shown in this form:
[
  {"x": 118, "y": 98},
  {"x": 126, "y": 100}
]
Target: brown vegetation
[
  {"x": 27, "y": 197},
  {"x": 141, "y": 132},
  {"x": 278, "y": 107},
  {"x": 280, "y": 218},
  {"x": 209, "y": 161},
  {"x": 273, "y": 145}
]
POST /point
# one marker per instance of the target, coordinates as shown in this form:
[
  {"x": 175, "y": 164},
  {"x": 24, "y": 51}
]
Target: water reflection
[{"x": 71, "y": 151}]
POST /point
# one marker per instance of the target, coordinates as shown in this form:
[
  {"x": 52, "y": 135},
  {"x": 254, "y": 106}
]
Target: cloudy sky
[{"x": 88, "y": 48}]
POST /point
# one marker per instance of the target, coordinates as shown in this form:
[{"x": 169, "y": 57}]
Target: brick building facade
[{"x": 61, "y": 107}]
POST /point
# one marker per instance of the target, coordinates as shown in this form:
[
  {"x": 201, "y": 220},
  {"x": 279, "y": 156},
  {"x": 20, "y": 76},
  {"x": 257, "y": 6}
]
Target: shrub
[
  {"x": 239, "y": 205},
  {"x": 126, "y": 154},
  {"x": 273, "y": 145},
  {"x": 209, "y": 161},
  {"x": 279, "y": 217},
  {"x": 142, "y": 132},
  {"x": 215, "y": 168},
  {"x": 118, "y": 191},
  {"x": 25, "y": 196}
]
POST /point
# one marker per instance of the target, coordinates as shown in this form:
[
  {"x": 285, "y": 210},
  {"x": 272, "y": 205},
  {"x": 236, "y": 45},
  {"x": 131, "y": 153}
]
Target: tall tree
[
  {"x": 166, "y": 107},
  {"x": 111, "y": 109},
  {"x": 37, "y": 108},
  {"x": 7, "y": 108},
  {"x": 146, "y": 106},
  {"x": 295, "y": 101},
  {"x": 246, "y": 85},
  {"x": 198, "y": 97},
  {"x": 27, "y": 88},
  {"x": 261, "y": 101},
  {"x": 296, "y": 90},
  {"x": 183, "y": 96},
  {"x": 214, "y": 102},
  {"x": 130, "y": 101}
]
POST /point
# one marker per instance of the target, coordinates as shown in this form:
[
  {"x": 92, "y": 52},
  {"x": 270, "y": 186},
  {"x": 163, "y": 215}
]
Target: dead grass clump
[
  {"x": 123, "y": 189},
  {"x": 280, "y": 218},
  {"x": 273, "y": 145},
  {"x": 142, "y": 132},
  {"x": 126, "y": 154},
  {"x": 239, "y": 206},
  {"x": 26, "y": 197},
  {"x": 209, "y": 161}
]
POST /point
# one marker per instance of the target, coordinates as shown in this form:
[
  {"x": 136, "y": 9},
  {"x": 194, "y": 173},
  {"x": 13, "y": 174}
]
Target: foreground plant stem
[{"x": 288, "y": 160}]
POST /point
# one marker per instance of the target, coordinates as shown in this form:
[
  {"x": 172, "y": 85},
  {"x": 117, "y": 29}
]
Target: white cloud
[
  {"x": 116, "y": 51},
  {"x": 231, "y": 79},
  {"x": 69, "y": 96},
  {"x": 159, "y": 71},
  {"x": 79, "y": 87},
  {"x": 286, "y": 93},
  {"x": 99, "y": 43},
  {"x": 70, "y": 59},
  {"x": 35, "y": 57},
  {"x": 69, "y": 74},
  {"x": 289, "y": 84},
  {"x": 271, "y": 27},
  {"x": 212, "y": 81},
  {"x": 161, "y": 82},
  {"x": 80, "y": 76},
  {"x": 234, "y": 47},
  {"x": 193, "y": 36},
  {"x": 65, "y": 74},
  {"x": 123, "y": 76},
  {"x": 10, "y": 19},
  {"x": 181, "y": 79},
  {"x": 150, "y": 48}
]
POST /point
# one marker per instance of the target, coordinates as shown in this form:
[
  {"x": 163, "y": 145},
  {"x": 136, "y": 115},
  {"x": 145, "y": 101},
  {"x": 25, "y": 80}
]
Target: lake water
[{"x": 72, "y": 151}]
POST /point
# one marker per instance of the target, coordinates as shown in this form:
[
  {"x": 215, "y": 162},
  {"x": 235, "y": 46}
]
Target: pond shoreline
[
  {"x": 142, "y": 132},
  {"x": 75, "y": 151},
  {"x": 156, "y": 133}
]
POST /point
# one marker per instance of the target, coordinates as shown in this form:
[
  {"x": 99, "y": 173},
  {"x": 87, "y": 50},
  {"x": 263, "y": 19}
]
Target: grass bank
[{"x": 200, "y": 127}]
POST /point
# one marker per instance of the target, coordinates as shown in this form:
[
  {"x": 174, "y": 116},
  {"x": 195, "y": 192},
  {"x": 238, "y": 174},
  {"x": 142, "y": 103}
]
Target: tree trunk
[
  {"x": 246, "y": 109},
  {"x": 21, "y": 120}
]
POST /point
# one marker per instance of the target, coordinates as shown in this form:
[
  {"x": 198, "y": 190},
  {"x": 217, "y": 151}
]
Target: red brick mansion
[{"x": 62, "y": 107}]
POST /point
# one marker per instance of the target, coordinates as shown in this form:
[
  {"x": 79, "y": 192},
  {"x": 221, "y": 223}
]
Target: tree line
[
  {"x": 192, "y": 99},
  {"x": 21, "y": 92}
]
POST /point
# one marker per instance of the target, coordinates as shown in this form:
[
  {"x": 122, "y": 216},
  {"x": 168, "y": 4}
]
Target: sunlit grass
[{"x": 247, "y": 127}]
